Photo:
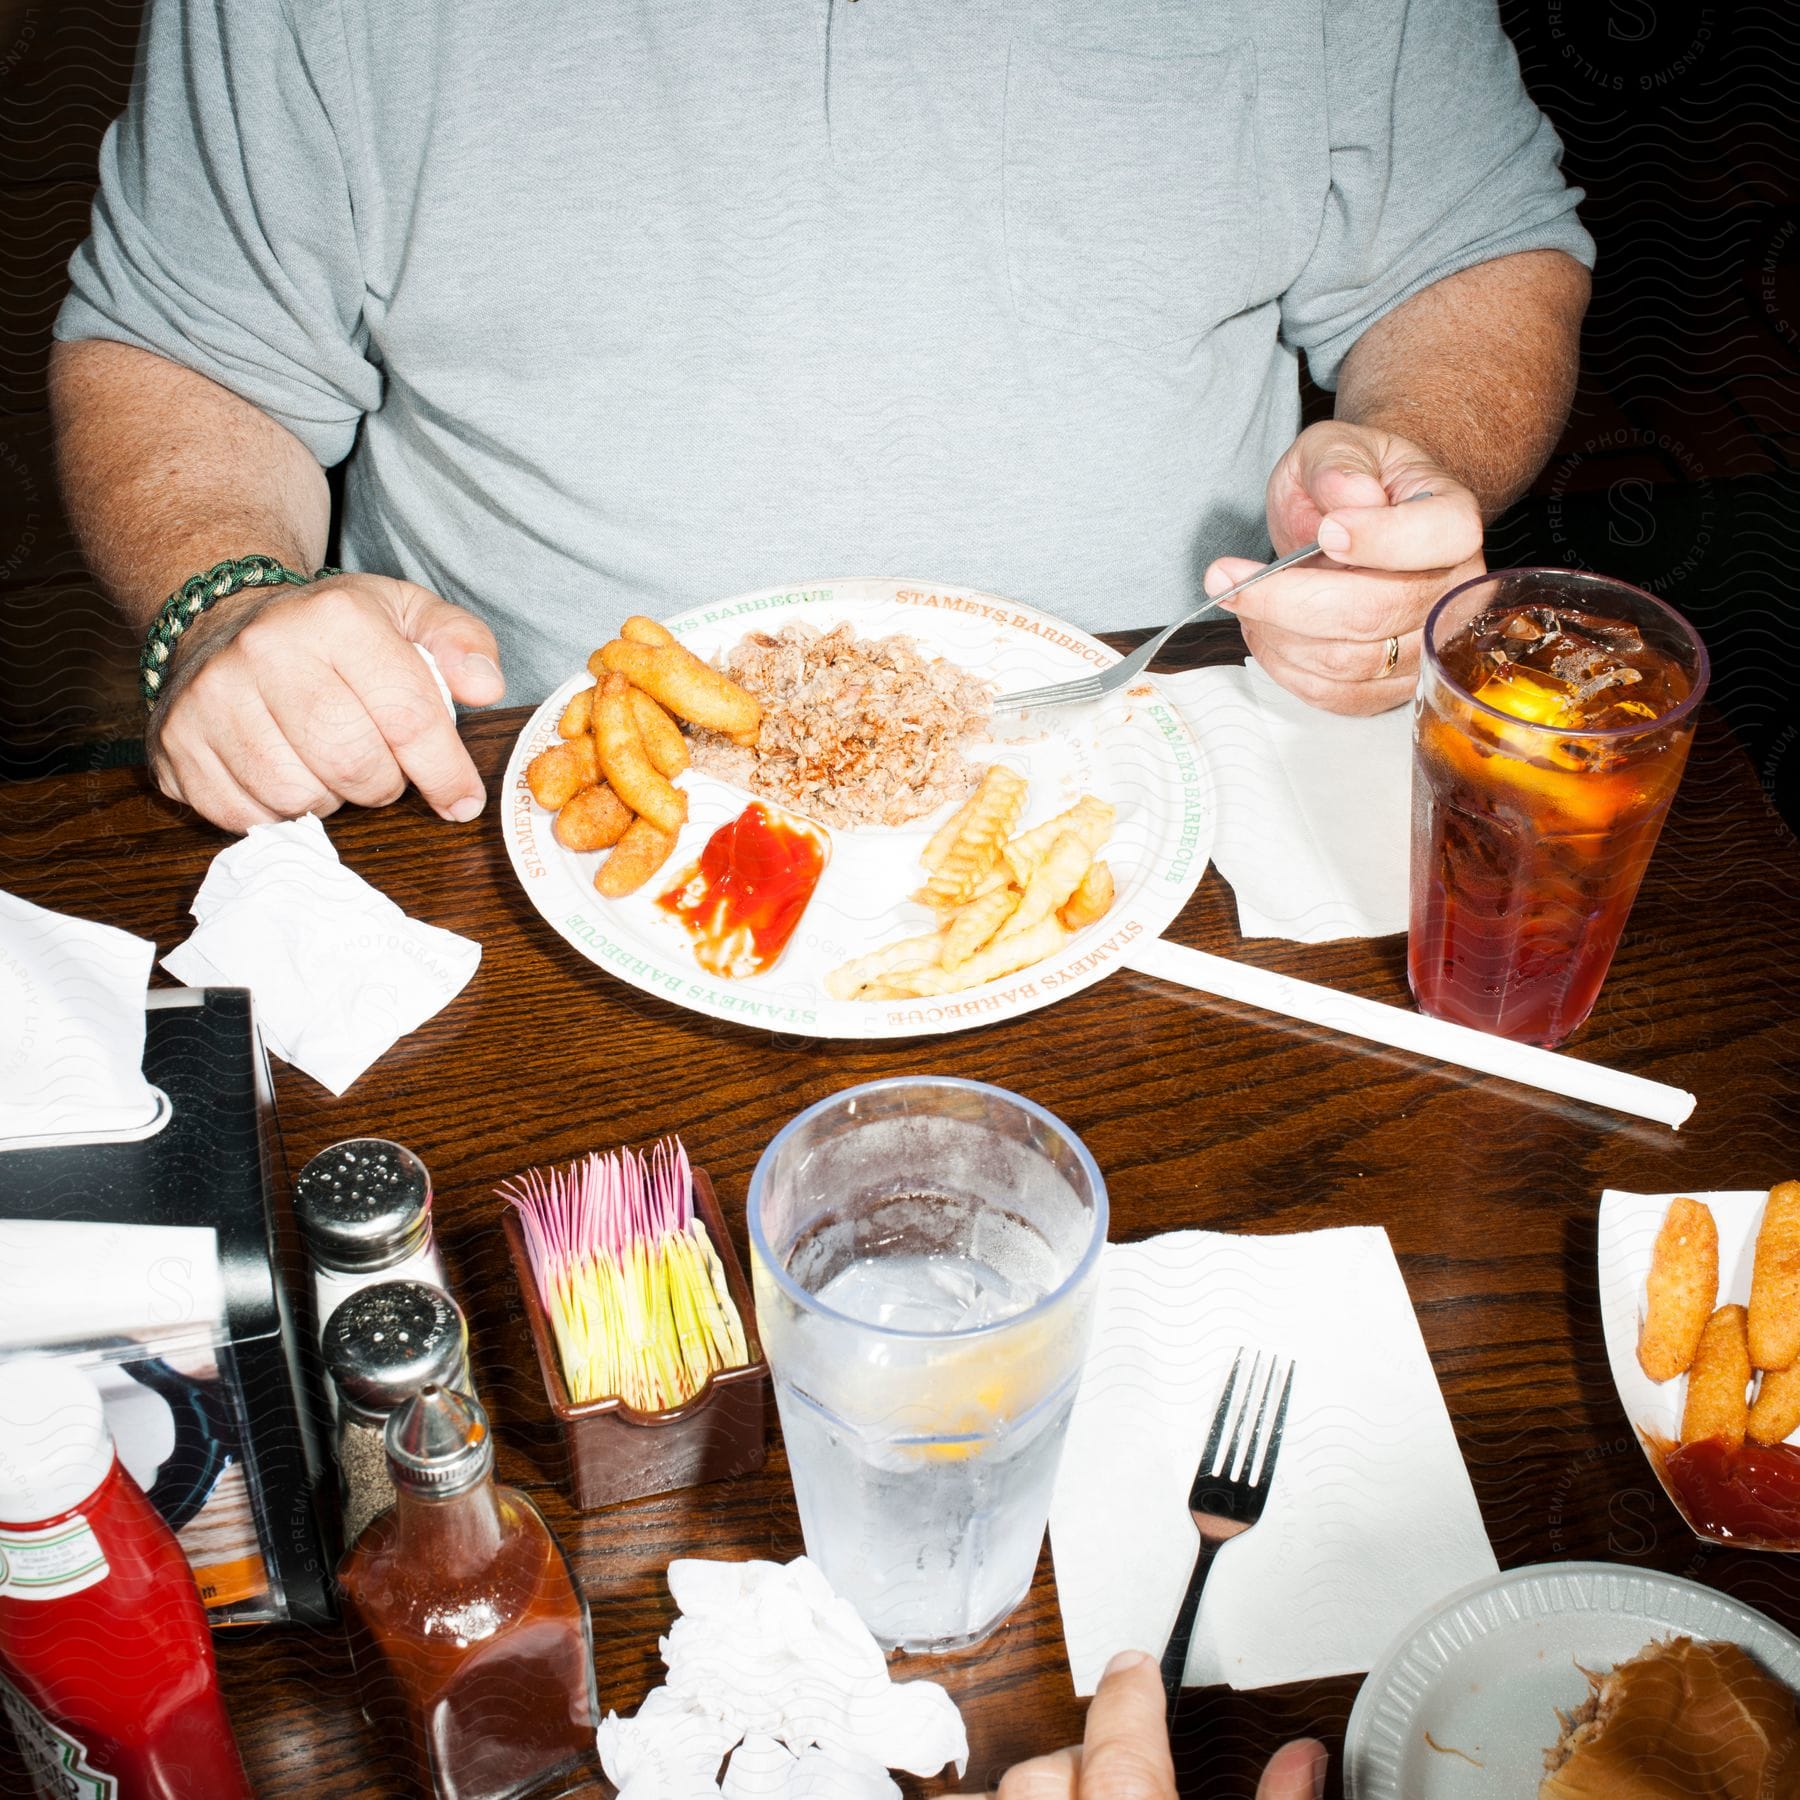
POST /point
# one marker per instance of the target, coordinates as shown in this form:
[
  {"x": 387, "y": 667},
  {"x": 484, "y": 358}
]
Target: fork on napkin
[
  {"x": 1231, "y": 1487},
  {"x": 1373, "y": 1518}
]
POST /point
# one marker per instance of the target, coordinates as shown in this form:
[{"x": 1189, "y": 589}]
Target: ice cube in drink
[
  {"x": 1532, "y": 830},
  {"x": 1557, "y": 666}
]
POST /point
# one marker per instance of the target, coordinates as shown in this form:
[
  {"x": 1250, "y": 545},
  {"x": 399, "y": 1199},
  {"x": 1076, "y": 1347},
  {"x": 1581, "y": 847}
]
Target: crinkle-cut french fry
[
  {"x": 555, "y": 776},
  {"x": 932, "y": 856},
  {"x": 993, "y": 810},
  {"x": 1776, "y": 1413},
  {"x": 1004, "y": 958},
  {"x": 578, "y": 716},
  {"x": 639, "y": 630},
  {"x": 1775, "y": 1284},
  {"x": 970, "y": 928},
  {"x": 1089, "y": 902},
  {"x": 626, "y": 763},
  {"x": 1681, "y": 1290},
  {"x": 1717, "y": 1406},
  {"x": 883, "y": 988},
  {"x": 1052, "y": 882},
  {"x": 847, "y": 980},
  {"x": 662, "y": 736},
  {"x": 1090, "y": 819},
  {"x": 996, "y": 878}
]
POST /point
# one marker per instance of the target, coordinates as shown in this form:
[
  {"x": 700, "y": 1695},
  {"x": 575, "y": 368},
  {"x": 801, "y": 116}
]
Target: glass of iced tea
[{"x": 1554, "y": 713}]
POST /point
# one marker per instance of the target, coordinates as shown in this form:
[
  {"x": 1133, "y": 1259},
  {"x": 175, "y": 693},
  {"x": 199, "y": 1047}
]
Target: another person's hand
[
  {"x": 294, "y": 700},
  {"x": 1342, "y": 631},
  {"x": 1124, "y": 1752}
]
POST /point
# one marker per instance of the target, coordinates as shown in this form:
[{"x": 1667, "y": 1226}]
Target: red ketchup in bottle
[{"x": 106, "y": 1661}]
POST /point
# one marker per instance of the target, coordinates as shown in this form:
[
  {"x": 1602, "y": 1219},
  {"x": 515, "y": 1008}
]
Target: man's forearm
[
  {"x": 165, "y": 473},
  {"x": 1479, "y": 369}
]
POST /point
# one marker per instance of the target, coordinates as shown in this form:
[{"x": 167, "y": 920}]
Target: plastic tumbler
[
  {"x": 1553, "y": 718},
  {"x": 925, "y": 1253}
]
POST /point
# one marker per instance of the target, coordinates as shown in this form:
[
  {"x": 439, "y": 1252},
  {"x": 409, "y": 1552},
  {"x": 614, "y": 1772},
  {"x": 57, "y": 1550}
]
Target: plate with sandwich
[{"x": 1575, "y": 1680}]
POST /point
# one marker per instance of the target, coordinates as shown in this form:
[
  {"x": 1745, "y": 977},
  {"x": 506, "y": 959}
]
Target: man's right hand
[{"x": 293, "y": 700}]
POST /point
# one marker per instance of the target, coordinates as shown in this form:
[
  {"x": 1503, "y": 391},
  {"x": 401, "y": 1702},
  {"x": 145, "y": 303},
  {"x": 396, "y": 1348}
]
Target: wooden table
[{"x": 1199, "y": 1112}]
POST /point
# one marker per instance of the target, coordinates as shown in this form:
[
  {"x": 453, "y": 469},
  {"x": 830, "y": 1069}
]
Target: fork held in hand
[
  {"x": 1228, "y": 1495},
  {"x": 1094, "y": 687}
]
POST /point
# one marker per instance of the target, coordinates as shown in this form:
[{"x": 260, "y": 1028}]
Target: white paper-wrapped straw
[{"x": 1407, "y": 1030}]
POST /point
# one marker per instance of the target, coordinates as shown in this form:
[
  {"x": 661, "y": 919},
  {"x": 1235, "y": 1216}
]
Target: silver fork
[
  {"x": 1227, "y": 1497},
  {"x": 1108, "y": 681}
]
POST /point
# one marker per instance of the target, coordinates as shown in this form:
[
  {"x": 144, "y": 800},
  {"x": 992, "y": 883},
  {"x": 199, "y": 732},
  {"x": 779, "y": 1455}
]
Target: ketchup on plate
[
  {"x": 743, "y": 898},
  {"x": 106, "y": 1660}
]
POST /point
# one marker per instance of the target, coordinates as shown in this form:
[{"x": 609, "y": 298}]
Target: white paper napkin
[
  {"x": 437, "y": 676},
  {"x": 1371, "y": 1518},
  {"x": 1313, "y": 809},
  {"x": 71, "y": 1027},
  {"x": 339, "y": 973},
  {"x": 65, "y": 1280},
  {"x": 768, "y": 1664}
]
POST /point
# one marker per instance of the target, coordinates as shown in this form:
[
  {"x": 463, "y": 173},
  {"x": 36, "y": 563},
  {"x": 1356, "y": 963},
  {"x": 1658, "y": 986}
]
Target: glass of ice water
[{"x": 925, "y": 1254}]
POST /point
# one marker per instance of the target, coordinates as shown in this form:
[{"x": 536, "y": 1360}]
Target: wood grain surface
[{"x": 1200, "y": 1113}]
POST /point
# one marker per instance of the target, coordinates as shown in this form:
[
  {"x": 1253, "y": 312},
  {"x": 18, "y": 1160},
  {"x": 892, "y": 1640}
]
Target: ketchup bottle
[{"x": 106, "y": 1661}]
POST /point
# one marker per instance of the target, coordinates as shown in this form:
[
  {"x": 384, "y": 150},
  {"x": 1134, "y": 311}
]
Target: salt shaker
[
  {"x": 383, "y": 1345},
  {"x": 364, "y": 1208}
]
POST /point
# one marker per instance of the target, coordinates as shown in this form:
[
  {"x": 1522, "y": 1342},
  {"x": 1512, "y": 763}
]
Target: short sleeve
[
  {"x": 223, "y": 235},
  {"x": 1439, "y": 160}
]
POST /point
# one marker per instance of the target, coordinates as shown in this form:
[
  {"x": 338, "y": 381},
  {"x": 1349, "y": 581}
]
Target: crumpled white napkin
[
  {"x": 71, "y": 1026},
  {"x": 1314, "y": 810},
  {"x": 338, "y": 972},
  {"x": 766, "y": 1658},
  {"x": 1370, "y": 1518}
]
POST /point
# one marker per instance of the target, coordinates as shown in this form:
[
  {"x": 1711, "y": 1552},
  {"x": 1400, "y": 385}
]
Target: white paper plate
[
  {"x": 1132, "y": 748},
  {"x": 1484, "y": 1673},
  {"x": 1628, "y": 1227}
]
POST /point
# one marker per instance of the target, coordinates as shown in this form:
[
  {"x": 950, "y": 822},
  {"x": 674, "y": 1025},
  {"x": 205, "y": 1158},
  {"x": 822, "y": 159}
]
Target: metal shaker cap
[
  {"x": 385, "y": 1342},
  {"x": 363, "y": 1204},
  {"x": 439, "y": 1444}
]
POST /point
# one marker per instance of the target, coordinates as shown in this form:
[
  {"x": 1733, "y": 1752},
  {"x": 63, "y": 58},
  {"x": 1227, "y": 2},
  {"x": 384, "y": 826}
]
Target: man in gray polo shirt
[{"x": 618, "y": 307}]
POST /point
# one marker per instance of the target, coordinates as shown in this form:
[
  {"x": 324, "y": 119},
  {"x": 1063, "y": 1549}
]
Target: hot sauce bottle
[
  {"x": 106, "y": 1660},
  {"x": 466, "y": 1619}
]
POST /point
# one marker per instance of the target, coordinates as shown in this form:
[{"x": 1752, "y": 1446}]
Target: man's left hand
[{"x": 1328, "y": 629}]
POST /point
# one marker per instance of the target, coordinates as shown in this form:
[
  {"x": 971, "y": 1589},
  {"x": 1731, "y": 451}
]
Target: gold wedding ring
[{"x": 1392, "y": 659}]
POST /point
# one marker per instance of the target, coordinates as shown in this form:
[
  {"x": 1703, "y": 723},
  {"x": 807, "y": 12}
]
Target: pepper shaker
[
  {"x": 383, "y": 1345},
  {"x": 364, "y": 1209}
]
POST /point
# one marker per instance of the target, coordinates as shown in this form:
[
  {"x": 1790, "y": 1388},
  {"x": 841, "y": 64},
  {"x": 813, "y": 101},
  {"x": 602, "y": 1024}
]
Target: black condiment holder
[{"x": 611, "y": 1452}]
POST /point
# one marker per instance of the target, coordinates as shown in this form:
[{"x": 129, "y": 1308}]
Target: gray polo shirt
[{"x": 629, "y": 304}]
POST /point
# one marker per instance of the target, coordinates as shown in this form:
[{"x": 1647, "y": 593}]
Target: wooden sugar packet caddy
[{"x": 611, "y": 1452}]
